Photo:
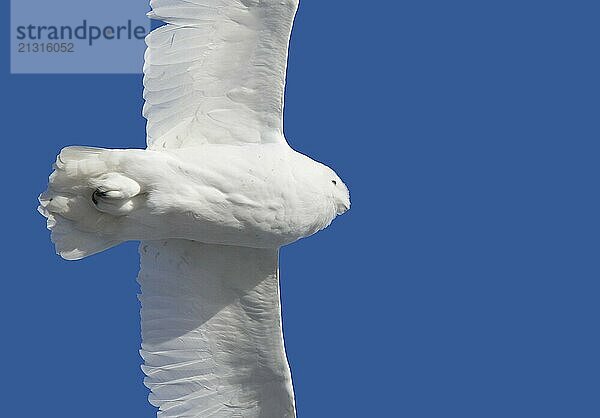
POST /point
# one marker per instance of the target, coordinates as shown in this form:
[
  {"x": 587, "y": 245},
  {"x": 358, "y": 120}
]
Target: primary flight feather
[{"x": 214, "y": 196}]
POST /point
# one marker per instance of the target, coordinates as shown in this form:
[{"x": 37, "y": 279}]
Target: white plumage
[
  {"x": 213, "y": 198},
  {"x": 216, "y": 72}
]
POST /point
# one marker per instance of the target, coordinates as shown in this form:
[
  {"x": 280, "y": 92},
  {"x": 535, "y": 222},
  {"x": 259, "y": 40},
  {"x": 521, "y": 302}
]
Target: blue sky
[{"x": 463, "y": 282}]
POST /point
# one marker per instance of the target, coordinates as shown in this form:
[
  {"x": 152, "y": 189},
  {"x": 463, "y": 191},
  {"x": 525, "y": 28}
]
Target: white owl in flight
[{"x": 214, "y": 196}]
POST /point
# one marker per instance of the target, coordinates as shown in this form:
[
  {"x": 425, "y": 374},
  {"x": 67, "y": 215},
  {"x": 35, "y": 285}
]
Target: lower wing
[{"x": 211, "y": 331}]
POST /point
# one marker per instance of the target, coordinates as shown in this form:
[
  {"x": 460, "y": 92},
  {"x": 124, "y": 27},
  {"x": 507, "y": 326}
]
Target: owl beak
[{"x": 343, "y": 207}]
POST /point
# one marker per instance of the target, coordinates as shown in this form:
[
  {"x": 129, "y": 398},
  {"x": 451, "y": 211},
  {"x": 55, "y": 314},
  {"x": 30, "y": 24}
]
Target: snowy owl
[{"x": 214, "y": 196}]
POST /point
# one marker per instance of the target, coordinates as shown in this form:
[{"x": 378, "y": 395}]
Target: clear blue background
[{"x": 463, "y": 283}]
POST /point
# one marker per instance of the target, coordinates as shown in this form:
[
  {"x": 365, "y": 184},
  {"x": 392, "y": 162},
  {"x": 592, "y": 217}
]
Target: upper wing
[
  {"x": 211, "y": 331},
  {"x": 216, "y": 72}
]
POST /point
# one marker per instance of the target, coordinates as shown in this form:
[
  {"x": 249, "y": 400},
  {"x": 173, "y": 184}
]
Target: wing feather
[
  {"x": 215, "y": 73},
  {"x": 211, "y": 331}
]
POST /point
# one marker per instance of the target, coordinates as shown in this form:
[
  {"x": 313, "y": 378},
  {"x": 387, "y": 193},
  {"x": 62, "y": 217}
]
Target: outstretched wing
[
  {"x": 211, "y": 330},
  {"x": 215, "y": 73},
  {"x": 211, "y": 319}
]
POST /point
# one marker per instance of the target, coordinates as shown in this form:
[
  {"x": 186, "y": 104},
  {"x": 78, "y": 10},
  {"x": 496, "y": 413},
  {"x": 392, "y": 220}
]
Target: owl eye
[{"x": 334, "y": 182}]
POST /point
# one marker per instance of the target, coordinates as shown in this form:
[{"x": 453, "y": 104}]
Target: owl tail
[{"x": 87, "y": 200}]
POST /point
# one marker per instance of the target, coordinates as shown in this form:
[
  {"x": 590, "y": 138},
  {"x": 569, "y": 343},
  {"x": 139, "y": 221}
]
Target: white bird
[{"x": 214, "y": 196}]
